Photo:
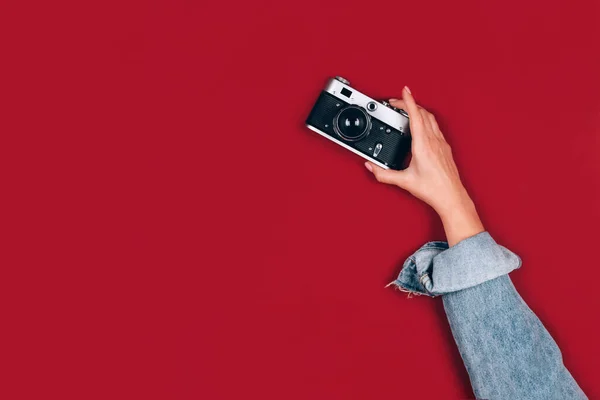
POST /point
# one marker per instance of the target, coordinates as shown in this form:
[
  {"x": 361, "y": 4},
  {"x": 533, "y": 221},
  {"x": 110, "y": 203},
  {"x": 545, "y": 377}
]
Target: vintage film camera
[{"x": 372, "y": 129}]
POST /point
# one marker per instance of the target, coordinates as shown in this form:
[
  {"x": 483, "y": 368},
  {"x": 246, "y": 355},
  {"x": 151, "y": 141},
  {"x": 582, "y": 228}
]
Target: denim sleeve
[{"x": 507, "y": 351}]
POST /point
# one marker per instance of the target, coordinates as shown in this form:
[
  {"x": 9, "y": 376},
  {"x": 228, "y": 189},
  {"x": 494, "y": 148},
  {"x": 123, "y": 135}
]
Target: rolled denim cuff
[{"x": 435, "y": 269}]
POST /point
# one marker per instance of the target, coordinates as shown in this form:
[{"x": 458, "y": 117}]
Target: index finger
[
  {"x": 411, "y": 106},
  {"x": 399, "y": 103}
]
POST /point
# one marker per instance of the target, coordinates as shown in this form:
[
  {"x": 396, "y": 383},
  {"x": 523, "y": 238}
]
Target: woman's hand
[{"x": 432, "y": 175}]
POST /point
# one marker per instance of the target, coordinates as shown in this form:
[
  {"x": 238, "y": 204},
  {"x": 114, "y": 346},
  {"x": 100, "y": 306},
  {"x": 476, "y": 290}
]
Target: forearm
[
  {"x": 506, "y": 349},
  {"x": 460, "y": 218}
]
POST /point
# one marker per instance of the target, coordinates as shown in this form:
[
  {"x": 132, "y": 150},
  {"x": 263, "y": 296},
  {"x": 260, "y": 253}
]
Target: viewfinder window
[{"x": 346, "y": 92}]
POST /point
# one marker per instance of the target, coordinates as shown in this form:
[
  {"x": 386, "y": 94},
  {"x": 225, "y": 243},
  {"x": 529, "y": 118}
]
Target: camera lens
[{"x": 352, "y": 123}]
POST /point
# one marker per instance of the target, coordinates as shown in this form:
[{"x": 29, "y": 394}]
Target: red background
[{"x": 172, "y": 230}]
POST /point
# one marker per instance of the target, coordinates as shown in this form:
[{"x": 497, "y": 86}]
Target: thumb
[{"x": 389, "y": 176}]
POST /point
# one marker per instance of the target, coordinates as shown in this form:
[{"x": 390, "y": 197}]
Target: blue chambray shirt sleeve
[
  {"x": 436, "y": 269},
  {"x": 506, "y": 349}
]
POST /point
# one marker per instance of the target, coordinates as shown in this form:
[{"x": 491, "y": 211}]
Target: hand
[{"x": 432, "y": 175}]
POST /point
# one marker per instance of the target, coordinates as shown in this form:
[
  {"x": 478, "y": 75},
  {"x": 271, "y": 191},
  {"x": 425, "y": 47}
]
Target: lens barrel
[{"x": 352, "y": 123}]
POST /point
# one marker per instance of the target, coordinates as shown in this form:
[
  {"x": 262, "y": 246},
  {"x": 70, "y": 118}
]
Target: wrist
[
  {"x": 458, "y": 202},
  {"x": 460, "y": 219}
]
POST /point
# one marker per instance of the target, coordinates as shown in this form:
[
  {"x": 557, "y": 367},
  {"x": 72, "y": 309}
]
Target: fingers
[
  {"x": 398, "y": 103},
  {"x": 428, "y": 118},
  {"x": 411, "y": 106},
  {"x": 435, "y": 126},
  {"x": 433, "y": 122},
  {"x": 388, "y": 176}
]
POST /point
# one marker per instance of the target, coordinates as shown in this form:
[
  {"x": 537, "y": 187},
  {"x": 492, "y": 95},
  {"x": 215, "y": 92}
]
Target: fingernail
[
  {"x": 407, "y": 89},
  {"x": 369, "y": 167},
  {"x": 393, "y": 99}
]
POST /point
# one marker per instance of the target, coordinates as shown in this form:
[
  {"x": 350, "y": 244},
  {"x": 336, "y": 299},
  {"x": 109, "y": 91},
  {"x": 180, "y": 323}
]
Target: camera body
[{"x": 372, "y": 129}]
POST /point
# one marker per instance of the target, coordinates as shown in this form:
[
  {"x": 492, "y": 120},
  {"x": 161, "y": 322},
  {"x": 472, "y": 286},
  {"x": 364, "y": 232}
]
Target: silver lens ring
[{"x": 360, "y": 113}]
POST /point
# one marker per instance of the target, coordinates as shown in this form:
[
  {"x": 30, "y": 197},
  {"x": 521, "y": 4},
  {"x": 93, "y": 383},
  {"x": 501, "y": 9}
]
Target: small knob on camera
[{"x": 344, "y": 81}]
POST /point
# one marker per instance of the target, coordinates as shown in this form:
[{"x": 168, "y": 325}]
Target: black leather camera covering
[{"x": 396, "y": 144}]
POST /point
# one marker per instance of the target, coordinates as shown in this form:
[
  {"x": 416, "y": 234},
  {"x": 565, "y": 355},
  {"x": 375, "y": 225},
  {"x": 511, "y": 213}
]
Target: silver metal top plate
[{"x": 384, "y": 114}]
